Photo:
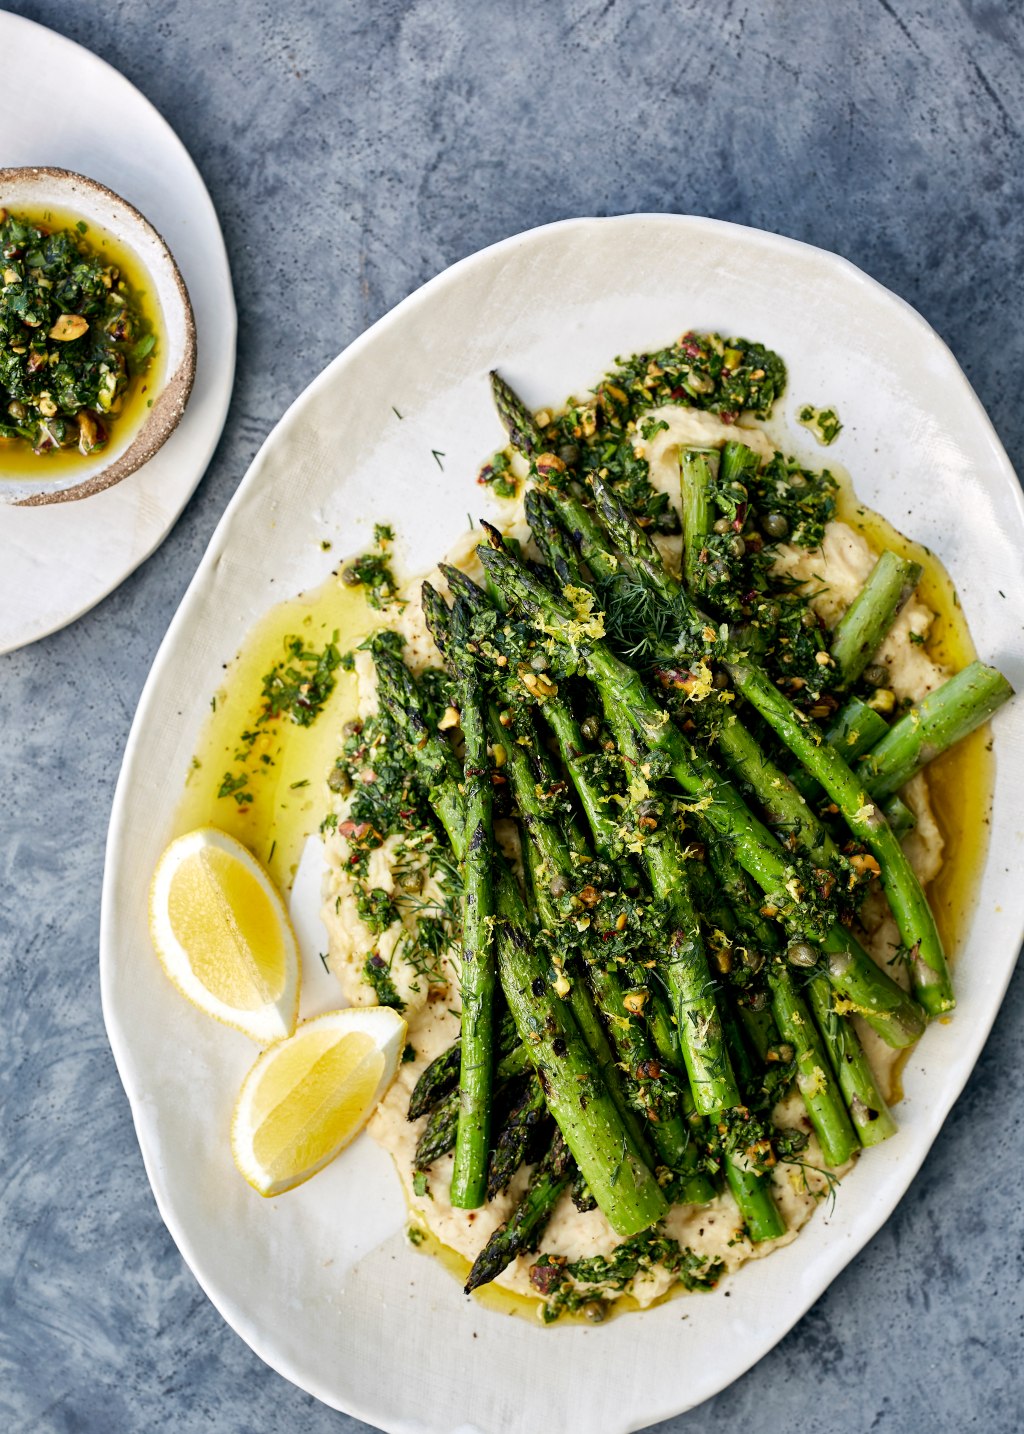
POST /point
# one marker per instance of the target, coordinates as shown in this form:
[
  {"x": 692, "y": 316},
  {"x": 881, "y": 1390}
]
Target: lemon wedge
[
  {"x": 221, "y": 930},
  {"x": 309, "y": 1095}
]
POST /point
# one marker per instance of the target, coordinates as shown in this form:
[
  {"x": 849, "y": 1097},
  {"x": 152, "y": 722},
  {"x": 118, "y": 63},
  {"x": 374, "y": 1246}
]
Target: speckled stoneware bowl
[{"x": 32, "y": 188}]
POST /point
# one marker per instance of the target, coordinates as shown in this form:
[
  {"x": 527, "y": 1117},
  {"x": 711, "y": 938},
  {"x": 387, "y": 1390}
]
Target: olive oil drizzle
[{"x": 287, "y": 764}]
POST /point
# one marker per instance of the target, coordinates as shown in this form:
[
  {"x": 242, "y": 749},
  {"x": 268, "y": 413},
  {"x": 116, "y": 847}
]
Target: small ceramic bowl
[{"x": 173, "y": 370}]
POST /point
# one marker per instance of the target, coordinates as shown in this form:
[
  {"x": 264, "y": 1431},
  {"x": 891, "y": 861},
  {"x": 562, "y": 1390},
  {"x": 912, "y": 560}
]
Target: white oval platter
[{"x": 321, "y": 1283}]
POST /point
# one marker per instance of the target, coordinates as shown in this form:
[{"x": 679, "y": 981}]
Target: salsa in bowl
[{"x": 97, "y": 338}]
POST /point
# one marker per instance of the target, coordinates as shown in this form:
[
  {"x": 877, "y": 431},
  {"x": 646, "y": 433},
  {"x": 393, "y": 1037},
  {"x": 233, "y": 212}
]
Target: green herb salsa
[{"x": 78, "y": 340}]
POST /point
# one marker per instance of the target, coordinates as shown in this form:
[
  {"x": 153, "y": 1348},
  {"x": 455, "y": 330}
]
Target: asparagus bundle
[{"x": 629, "y": 1020}]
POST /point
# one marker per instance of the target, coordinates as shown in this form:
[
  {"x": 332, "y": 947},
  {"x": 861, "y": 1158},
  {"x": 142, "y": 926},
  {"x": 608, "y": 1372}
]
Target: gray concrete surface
[{"x": 367, "y": 147}]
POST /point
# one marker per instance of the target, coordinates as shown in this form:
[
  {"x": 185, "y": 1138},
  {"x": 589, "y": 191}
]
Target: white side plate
[
  {"x": 61, "y": 105},
  {"x": 320, "y": 1282}
]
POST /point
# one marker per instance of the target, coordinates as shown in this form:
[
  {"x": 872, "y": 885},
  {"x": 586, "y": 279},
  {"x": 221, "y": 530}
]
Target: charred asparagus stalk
[
  {"x": 442, "y": 1074},
  {"x": 931, "y": 727},
  {"x": 477, "y": 972},
  {"x": 865, "y": 623},
  {"x": 528, "y": 1221}
]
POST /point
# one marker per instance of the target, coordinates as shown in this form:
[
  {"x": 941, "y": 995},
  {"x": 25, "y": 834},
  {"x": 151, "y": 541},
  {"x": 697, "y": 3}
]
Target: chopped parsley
[
  {"x": 298, "y": 686},
  {"x": 372, "y": 571},
  {"x": 497, "y": 475},
  {"x": 823, "y": 423},
  {"x": 377, "y": 973},
  {"x": 586, "y": 1286}
]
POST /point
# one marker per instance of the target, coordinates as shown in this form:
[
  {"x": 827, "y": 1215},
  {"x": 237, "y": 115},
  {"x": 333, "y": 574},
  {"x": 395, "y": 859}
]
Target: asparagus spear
[
  {"x": 686, "y": 969},
  {"x": 899, "y": 816},
  {"x": 789, "y": 888},
  {"x": 576, "y": 1093},
  {"x": 871, "y": 1117},
  {"x": 514, "y": 1138},
  {"x": 698, "y": 471},
  {"x": 564, "y": 561},
  {"x": 855, "y": 728},
  {"x": 528, "y": 1221},
  {"x": 522, "y": 431},
  {"x": 437, "y": 1137},
  {"x": 436, "y": 1081},
  {"x": 865, "y": 623},
  {"x": 931, "y": 727},
  {"x": 477, "y": 974},
  {"x": 581, "y": 1196},
  {"x": 442, "y": 1074}
]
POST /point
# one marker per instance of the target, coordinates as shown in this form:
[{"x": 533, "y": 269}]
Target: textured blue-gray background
[{"x": 353, "y": 150}]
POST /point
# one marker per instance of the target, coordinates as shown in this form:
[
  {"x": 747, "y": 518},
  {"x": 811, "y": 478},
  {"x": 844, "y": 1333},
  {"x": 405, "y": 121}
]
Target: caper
[
  {"x": 351, "y": 578},
  {"x": 883, "y": 700},
  {"x": 352, "y": 729},
  {"x": 775, "y": 525},
  {"x": 808, "y": 618},
  {"x": 876, "y": 675},
  {"x": 340, "y": 781},
  {"x": 594, "y": 1310},
  {"x": 736, "y": 546},
  {"x": 539, "y": 662},
  {"x": 559, "y": 886},
  {"x": 17, "y": 410},
  {"x": 723, "y": 525},
  {"x": 719, "y": 681},
  {"x": 758, "y": 1000},
  {"x": 801, "y": 953},
  {"x": 569, "y": 454},
  {"x": 797, "y": 480},
  {"x": 590, "y": 727},
  {"x": 753, "y": 960}
]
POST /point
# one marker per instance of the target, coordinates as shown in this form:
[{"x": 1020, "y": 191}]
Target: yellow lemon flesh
[
  {"x": 309, "y": 1095},
  {"x": 221, "y": 930}
]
